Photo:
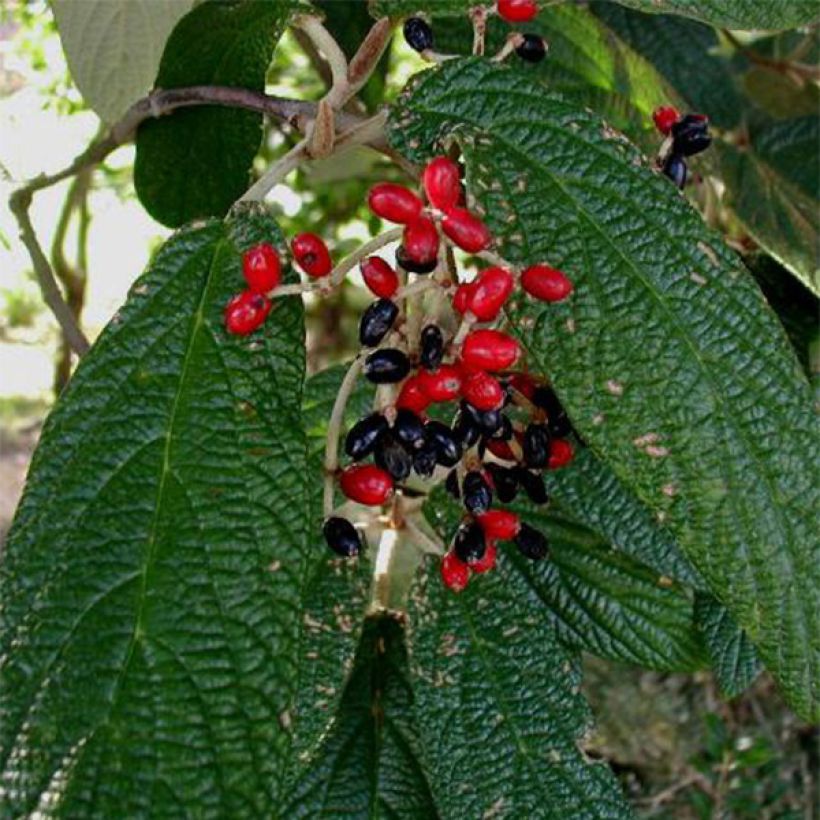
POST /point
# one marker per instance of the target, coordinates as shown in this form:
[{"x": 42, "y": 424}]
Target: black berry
[
  {"x": 531, "y": 543},
  {"x": 478, "y": 497},
  {"x": 536, "y": 446},
  {"x": 558, "y": 422},
  {"x": 451, "y": 484},
  {"x": 505, "y": 480},
  {"x": 418, "y": 34},
  {"x": 393, "y": 458},
  {"x": 424, "y": 460},
  {"x": 447, "y": 445},
  {"x": 411, "y": 266},
  {"x": 408, "y": 429},
  {"x": 490, "y": 421},
  {"x": 466, "y": 426},
  {"x": 504, "y": 431},
  {"x": 432, "y": 347},
  {"x": 377, "y": 321},
  {"x": 341, "y": 537},
  {"x": 386, "y": 366},
  {"x": 469, "y": 544},
  {"x": 364, "y": 435},
  {"x": 533, "y": 484},
  {"x": 690, "y": 135},
  {"x": 533, "y": 49},
  {"x": 675, "y": 168}
]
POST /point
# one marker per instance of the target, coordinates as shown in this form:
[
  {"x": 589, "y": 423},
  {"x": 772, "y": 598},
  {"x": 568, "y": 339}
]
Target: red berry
[
  {"x": 561, "y": 453},
  {"x": 443, "y": 384},
  {"x": 500, "y": 449},
  {"x": 454, "y": 572},
  {"x": 665, "y": 117},
  {"x": 517, "y": 11},
  {"x": 442, "y": 183},
  {"x": 487, "y": 561},
  {"x": 523, "y": 384},
  {"x": 395, "y": 203},
  {"x": 546, "y": 283},
  {"x": 262, "y": 268},
  {"x": 420, "y": 240},
  {"x": 412, "y": 397},
  {"x": 499, "y": 525},
  {"x": 379, "y": 276},
  {"x": 483, "y": 391},
  {"x": 246, "y": 312},
  {"x": 461, "y": 297},
  {"x": 367, "y": 484},
  {"x": 489, "y": 350},
  {"x": 489, "y": 293},
  {"x": 466, "y": 230},
  {"x": 311, "y": 254}
]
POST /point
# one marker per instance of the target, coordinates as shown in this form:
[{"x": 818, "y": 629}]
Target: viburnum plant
[{"x": 573, "y": 423}]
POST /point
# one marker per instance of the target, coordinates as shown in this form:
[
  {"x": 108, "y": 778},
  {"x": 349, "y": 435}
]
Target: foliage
[{"x": 175, "y": 637}]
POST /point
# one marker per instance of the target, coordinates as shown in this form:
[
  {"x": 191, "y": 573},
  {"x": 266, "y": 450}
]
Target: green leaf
[
  {"x": 370, "y": 763},
  {"x": 151, "y": 582},
  {"x": 197, "y": 161},
  {"x": 773, "y": 183},
  {"x": 734, "y": 659},
  {"x": 410, "y": 8},
  {"x": 498, "y": 707},
  {"x": 737, "y": 14},
  {"x": 667, "y": 357},
  {"x": 113, "y": 49}
]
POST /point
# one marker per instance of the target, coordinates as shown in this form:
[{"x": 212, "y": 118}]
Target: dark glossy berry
[
  {"x": 517, "y": 11},
  {"x": 311, "y": 254},
  {"x": 536, "y": 446},
  {"x": 408, "y": 429},
  {"x": 491, "y": 421},
  {"x": 504, "y": 431},
  {"x": 393, "y": 458},
  {"x": 469, "y": 543},
  {"x": 246, "y": 312},
  {"x": 466, "y": 230},
  {"x": 558, "y": 422},
  {"x": 665, "y": 117},
  {"x": 478, "y": 497},
  {"x": 674, "y": 167},
  {"x": 418, "y": 34},
  {"x": 432, "y": 347},
  {"x": 489, "y": 292},
  {"x": 533, "y": 48},
  {"x": 533, "y": 484},
  {"x": 546, "y": 283},
  {"x": 442, "y": 183},
  {"x": 261, "y": 268},
  {"x": 420, "y": 241},
  {"x": 404, "y": 261},
  {"x": 502, "y": 525},
  {"x": 376, "y": 322},
  {"x": 505, "y": 480},
  {"x": 342, "y": 537},
  {"x": 531, "y": 543},
  {"x": 379, "y": 276},
  {"x": 454, "y": 572},
  {"x": 489, "y": 350},
  {"x": 561, "y": 453},
  {"x": 451, "y": 484},
  {"x": 395, "y": 203},
  {"x": 690, "y": 135},
  {"x": 466, "y": 428},
  {"x": 425, "y": 459},
  {"x": 386, "y": 366},
  {"x": 448, "y": 447},
  {"x": 366, "y": 484},
  {"x": 364, "y": 435}
]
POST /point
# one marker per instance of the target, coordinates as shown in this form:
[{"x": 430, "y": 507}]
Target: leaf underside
[{"x": 660, "y": 350}]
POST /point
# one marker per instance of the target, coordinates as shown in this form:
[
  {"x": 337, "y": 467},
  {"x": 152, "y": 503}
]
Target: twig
[{"x": 789, "y": 67}]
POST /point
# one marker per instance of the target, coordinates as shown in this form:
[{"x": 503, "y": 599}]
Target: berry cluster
[
  {"x": 686, "y": 136},
  {"x": 529, "y": 47},
  {"x": 505, "y": 427}
]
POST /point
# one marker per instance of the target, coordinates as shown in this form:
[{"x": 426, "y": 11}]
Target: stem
[
  {"x": 348, "y": 263},
  {"x": 334, "y": 430},
  {"x": 788, "y": 67},
  {"x": 278, "y": 171},
  {"x": 426, "y": 543}
]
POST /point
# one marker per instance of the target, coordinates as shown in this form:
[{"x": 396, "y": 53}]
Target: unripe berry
[
  {"x": 395, "y": 203},
  {"x": 546, "y": 283},
  {"x": 489, "y": 293},
  {"x": 454, "y": 572},
  {"x": 486, "y": 563},
  {"x": 441, "y": 385},
  {"x": 500, "y": 449},
  {"x": 366, "y": 484},
  {"x": 665, "y": 117},
  {"x": 442, "y": 183},
  {"x": 489, "y": 350},
  {"x": 379, "y": 276},
  {"x": 341, "y": 537},
  {"x": 420, "y": 241},
  {"x": 523, "y": 384},
  {"x": 483, "y": 391},
  {"x": 466, "y": 230},
  {"x": 500, "y": 525},
  {"x": 262, "y": 268},
  {"x": 246, "y": 312},
  {"x": 517, "y": 11},
  {"x": 561, "y": 453},
  {"x": 311, "y": 254},
  {"x": 461, "y": 297},
  {"x": 412, "y": 397}
]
